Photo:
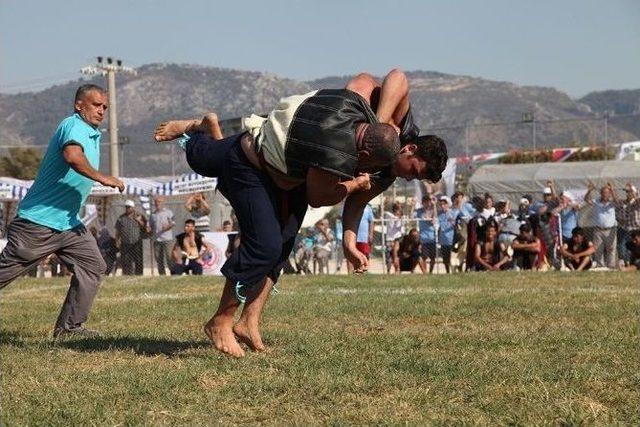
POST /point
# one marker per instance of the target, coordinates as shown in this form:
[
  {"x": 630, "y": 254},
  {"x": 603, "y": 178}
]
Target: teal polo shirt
[{"x": 58, "y": 192}]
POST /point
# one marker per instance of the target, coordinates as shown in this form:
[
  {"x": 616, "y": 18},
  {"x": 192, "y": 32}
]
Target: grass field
[{"x": 517, "y": 349}]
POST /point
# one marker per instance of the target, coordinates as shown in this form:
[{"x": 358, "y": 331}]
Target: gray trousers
[
  {"x": 604, "y": 240},
  {"x": 162, "y": 253},
  {"x": 29, "y": 243}
]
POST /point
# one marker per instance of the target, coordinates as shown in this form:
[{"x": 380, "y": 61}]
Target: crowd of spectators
[{"x": 544, "y": 234}]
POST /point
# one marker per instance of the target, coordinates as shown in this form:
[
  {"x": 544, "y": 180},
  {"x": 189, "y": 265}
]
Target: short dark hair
[
  {"x": 578, "y": 231},
  {"x": 84, "y": 89},
  {"x": 634, "y": 234},
  {"x": 525, "y": 228},
  {"x": 381, "y": 142},
  {"x": 226, "y": 221},
  {"x": 433, "y": 150},
  {"x": 190, "y": 221},
  {"x": 500, "y": 206},
  {"x": 458, "y": 194}
]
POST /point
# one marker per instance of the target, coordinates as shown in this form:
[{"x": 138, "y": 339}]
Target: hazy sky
[{"x": 574, "y": 45}]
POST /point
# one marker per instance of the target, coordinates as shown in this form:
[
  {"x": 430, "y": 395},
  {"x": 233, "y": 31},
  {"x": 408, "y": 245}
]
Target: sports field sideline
[{"x": 509, "y": 348}]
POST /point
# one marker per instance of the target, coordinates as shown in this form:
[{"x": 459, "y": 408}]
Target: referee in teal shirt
[{"x": 47, "y": 220}]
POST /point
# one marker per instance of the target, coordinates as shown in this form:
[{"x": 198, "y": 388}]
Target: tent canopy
[{"x": 509, "y": 182}]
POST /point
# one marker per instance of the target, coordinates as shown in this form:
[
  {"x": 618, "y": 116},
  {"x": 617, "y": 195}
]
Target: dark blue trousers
[{"x": 269, "y": 218}]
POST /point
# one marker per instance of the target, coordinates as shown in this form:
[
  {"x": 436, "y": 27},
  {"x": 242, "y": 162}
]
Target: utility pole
[
  {"x": 529, "y": 117},
  {"x": 606, "y": 116},
  {"x": 110, "y": 69}
]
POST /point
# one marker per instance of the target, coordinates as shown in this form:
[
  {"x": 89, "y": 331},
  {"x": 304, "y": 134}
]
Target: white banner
[
  {"x": 187, "y": 187},
  {"x": 629, "y": 151},
  {"x": 101, "y": 190},
  {"x": 215, "y": 257}
]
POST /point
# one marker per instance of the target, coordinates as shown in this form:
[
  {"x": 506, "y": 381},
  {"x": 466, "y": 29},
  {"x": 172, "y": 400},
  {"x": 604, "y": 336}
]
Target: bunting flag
[{"x": 562, "y": 154}]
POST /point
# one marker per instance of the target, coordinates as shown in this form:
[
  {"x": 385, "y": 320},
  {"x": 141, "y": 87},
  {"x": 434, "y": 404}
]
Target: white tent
[{"x": 510, "y": 182}]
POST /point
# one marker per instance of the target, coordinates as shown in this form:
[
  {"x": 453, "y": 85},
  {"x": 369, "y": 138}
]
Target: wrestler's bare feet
[
  {"x": 168, "y": 131},
  {"x": 249, "y": 335},
  {"x": 220, "y": 332}
]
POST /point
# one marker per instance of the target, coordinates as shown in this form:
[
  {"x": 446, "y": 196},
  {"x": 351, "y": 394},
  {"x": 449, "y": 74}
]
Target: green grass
[{"x": 516, "y": 349}]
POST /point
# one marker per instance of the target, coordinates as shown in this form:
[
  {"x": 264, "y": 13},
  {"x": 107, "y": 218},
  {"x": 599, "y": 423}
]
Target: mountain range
[{"x": 472, "y": 114}]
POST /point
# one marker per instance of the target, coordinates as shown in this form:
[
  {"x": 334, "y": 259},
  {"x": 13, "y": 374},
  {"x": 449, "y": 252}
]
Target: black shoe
[{"x": 61, "y": 333}]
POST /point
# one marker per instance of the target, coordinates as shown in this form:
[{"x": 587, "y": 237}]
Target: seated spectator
[
  {"x": 199, "y": 210},
  {"x": 489, "y": 254},
  {"x": 577, "y": 251},
  {"x": 526, "y": 248},
  {"x": 633, "y": 246},
  {"x": 227, "y": 227},
  {"x": 188, "y": 250},
  {"x": 108, "y": 249},
  {"x": 406, "y": 252}
]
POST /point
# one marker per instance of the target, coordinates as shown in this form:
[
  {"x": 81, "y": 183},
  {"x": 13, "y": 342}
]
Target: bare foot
[
  {"x": 221, "y": 335},
  {"x": 249, "y": 335},
  {"x": 168, "y": 131}
]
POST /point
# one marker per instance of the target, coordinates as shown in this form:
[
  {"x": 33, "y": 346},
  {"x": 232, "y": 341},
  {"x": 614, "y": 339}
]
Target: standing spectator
[
  {"x": 488, "y": 210},
  {"x": 508, "y": 224},
  {"x": 489, "y": 254},
  {"x": 523, "y": 210},
  {"x": 199, "y": 210},
  {"x": 568, "y": 212},
  {"x": 339, "y": 251},
  {"x": 130, "y": 229},
  {"x": 447, "y": 223},
  {"x": 628, "y": 217},
  {"x": 365, "y": 234},
  {"x": 162, "y": 224},
  {"x": 604, "y": 235},
  {"x": 427, "y": 221},
  {"x": 324, "y": 240},
  {"x": 406, "y": 252},
  {"x": 577, "y": 251},
  {"x": 463, "y": 208},
  {"x": 394, "y": 231},
  {"x": 463, "y": 211},
  {"x": 188, "y": 250},
  {"x": 526, "y": 248},
  {"x": 633, "y": 246},
  {"x": 549, "y": 200}
]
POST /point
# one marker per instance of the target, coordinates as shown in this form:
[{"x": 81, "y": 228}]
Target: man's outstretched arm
[
  {"x": 353, "y": 208},
  {"x": 74, "y": 156},
  {"x": 326, "y": 189}
]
